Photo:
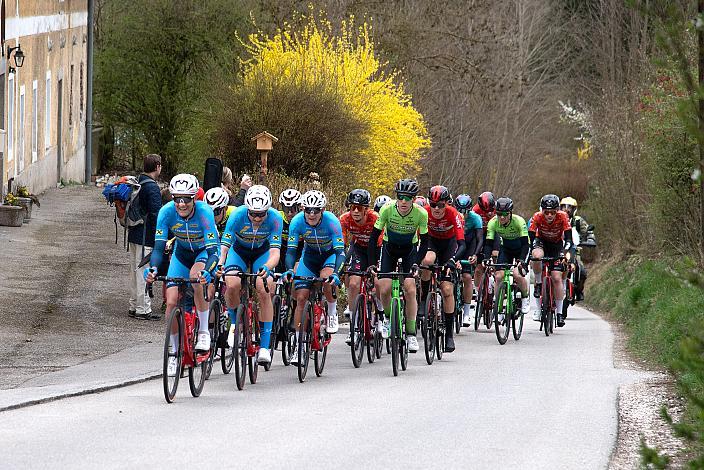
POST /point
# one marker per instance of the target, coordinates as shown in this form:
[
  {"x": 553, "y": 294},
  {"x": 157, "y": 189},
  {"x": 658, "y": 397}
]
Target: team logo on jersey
[
  {"x": 339, "y": 240},
  {"x": 211, "y": 236},
  {"x": 275, "y": 238},
  {"x": 159, "y": 232},
  {"x": 228, "y": 236},
  {"x": 177, "y": 226}
]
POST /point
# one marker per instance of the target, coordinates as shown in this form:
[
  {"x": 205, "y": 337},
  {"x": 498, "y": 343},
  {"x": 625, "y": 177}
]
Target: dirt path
[{"x": 63, "y": 288}]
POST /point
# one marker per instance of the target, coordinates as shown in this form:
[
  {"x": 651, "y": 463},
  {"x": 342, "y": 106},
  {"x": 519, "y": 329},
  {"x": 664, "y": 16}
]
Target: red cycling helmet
[
  {"x": 438, "y": 193},
  {"x": 487, "y": 201}
]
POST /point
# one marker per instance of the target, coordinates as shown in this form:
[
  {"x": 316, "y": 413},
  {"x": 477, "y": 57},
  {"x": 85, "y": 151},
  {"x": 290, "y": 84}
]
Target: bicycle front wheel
[
  {"x": 502, "y": 316},
  {"x": 255, "y": 338},
  {"x": 214, "y": 329},
  {"x": 357, "y": 331},
  {"x": 240, "y": 348},
  {"x": 174, "y": 334},
  {"x": 395, "y": 338},
  {"x": 376, "y": 337},
  {"x": 304, "y": 341},
  {"x": 458, "y": 305},
  {"x": 546, "y": 308},
  {"x": 429, "y": 327},
  {"x": 517, "y": 322},
  {"x": 478, "y": 311},
  {"x": 196, "y": 377}
]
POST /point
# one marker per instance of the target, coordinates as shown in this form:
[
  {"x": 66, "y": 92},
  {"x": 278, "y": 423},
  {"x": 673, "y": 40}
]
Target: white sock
[
  {"x": 203, "y": 319},
  {"x": 332, "y": 308},
  {"x": 466, "y": 308},
  {"x": 174, "y": 342},
  {"x": 558, "y": 306}
]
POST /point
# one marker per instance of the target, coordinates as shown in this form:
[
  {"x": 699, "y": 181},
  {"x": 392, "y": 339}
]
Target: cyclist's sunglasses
[
  {"x": 437, "y": 205},
  {"x": 550, "y": 212},
  {"x": 357, "y": 207},
  {"x": 257, "y": 215},
  {"x": 503, "y": 213},
  {"x": 313, "y": 210},
  {"x": 291, "y": 208},
  {"x": 405, "y": 197},
  {"x": 183, "y": 199}
]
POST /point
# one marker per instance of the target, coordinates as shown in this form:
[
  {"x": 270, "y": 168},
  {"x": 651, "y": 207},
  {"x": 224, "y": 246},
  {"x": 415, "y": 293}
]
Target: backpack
[{"x": 123, "y": 196}]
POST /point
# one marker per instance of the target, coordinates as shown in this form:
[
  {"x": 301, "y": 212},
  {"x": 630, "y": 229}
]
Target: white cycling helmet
[
  {"x": 380, "y": 201},
  {"x": 258, "y": 198},
  {"x": 290, "y": 197},
  {"x": 217, "y": 198},
  {"x": 314, "y": 198},
  {"x": 184, "y": 185}
]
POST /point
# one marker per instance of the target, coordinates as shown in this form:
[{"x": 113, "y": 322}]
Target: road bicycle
[
  {"x": 219, "y": 327},
  {"x": 312, "y": 335},
  {"x": 507, "y": 312},
  {"x": 485, "y": 299},
  {"x": 459, "y": 304},
  {"x": 247, "y": 334},
  {"x": 281, "y": 332},
  {"x": 397, "y": 336},
  {"x": 363, "y": 322},
  {"x": 548, "y": 317},
  {"x": 180, "y": 341},
  {"x": 434, "y": 325}
]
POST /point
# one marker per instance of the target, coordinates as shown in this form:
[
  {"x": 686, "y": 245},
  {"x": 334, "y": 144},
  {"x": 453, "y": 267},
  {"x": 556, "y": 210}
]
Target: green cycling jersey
[
  {"x": 514, "y": 230},
  {"x": 402, "y": 229}
]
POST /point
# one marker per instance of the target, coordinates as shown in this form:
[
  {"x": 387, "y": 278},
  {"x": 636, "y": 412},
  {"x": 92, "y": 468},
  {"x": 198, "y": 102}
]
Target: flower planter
[
  {"x": 26, "y": 204},
  {"x": 11, "y": 216}
]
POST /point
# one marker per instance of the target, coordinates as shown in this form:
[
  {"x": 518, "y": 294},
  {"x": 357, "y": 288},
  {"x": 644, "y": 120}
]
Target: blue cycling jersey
[
  {"x": 194, "y": 234},
  {"x": 472, "y": 222},
  {"x": 240, "y": 231},
  {"x": 322, "y": 238}
]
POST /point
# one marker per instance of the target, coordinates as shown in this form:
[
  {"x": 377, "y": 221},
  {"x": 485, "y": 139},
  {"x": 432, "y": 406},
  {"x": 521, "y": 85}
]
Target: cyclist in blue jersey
[
  {"x": 195, "y": 251},
  {"x": 323, "y": 254},
  {"x": 252, "y": 240},
  {"x": 474, "y": 241}
]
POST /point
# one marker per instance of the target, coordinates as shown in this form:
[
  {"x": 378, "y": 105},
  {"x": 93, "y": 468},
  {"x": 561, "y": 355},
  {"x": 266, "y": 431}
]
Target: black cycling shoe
[
  {"x": 560, "y": 320},
  {"x": 449, "y": 344},
  {"x": 536, "y": 290}
]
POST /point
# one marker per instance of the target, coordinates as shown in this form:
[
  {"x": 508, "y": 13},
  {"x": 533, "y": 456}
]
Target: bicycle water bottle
[{"x": 491, "y": 284}]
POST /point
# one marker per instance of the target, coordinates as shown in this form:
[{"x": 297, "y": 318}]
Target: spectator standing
[
  {"x": 141, "y": 237},
  {"x": 228, "y": 184},
  {"x": 245, "y": 184}
]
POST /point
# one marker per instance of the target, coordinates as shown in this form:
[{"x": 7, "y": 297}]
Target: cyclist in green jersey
[
  {"x": 403, "y": 224},
  {"x": 513, "y": 231}
]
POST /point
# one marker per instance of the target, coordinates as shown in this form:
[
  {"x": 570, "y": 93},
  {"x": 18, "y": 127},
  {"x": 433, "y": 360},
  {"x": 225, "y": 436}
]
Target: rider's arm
[
  {"x": 490, "y": 235},
  {"x": 525, "y": 247},
  {"x": 461, "y": 248},
  {"x": 531, "y": 237},
  {"x": 160, "y": 238},
  {"x": 422, "y": 248},
  {"x": 373, "y": 249},
  {"x": 479, "y": 240},
  {"x": 568, "y": 244}
]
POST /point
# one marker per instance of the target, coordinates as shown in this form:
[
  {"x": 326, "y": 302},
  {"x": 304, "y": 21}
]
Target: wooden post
[{"x": 265, "y": 142}]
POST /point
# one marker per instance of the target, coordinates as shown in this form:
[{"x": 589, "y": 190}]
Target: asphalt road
[{"x": 536, "y": 403}]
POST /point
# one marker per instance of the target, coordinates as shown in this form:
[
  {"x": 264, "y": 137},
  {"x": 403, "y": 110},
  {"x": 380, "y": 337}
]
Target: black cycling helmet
[
  {"x": 486, "y": 201},
  {"x": 550, "y": 201},
  {"x": 504, "y": 204},
  {"x": 360, "y": 197},
  {"x": 438, "y": 194},
  {"x": 407, "y": 187},
  {"x": 463, "y": 202}
]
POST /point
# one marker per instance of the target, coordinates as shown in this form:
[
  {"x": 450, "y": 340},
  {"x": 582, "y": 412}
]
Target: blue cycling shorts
[
  {"x": 311, "y": 265},
  {"x": 182, "y": 261}
]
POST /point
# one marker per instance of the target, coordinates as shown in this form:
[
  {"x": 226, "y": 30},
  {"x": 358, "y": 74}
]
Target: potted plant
[
  {"x": 26, "y": 199},
  {"x": 11, "y": 213}
]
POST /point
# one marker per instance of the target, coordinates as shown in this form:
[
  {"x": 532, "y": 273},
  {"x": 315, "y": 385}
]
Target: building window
[
  {"x": 70, "y": 97},
  {"x": 80, "y": 89},
  {"x": 47, "y": 112},
  {"x": 20, "y": 132},
  {"x": 35, "y": 123}
]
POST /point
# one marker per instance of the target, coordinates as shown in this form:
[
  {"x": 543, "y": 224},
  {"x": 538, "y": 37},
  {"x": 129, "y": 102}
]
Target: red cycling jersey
[
  {"x": 486, "y": 216},
  {"x": 553, "y": 232},
  {"x": 356, "y": 233},
  {"x": 449, "y": 226}
]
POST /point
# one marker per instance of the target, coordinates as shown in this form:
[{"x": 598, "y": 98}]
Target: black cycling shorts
[
  {"x": 390, "y": 253},
  {"x": 357, "y": 258},
  {"x": 444, "y": 249},
  {"x": 550, "y": 250}
]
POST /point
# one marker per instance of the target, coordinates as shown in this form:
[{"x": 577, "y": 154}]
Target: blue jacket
[{"x": 150, "y": 202}]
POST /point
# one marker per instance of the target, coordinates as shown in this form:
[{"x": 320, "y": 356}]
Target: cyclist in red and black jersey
[
  {"x": 445, "y": 246},
  {"x": 486, "y": 209},
  {"x": 357, "y": 225},
  {"x": 550, "y": 235}
]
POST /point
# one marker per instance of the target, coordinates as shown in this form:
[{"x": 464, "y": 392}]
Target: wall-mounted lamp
[{"x": 19, "y": 57}]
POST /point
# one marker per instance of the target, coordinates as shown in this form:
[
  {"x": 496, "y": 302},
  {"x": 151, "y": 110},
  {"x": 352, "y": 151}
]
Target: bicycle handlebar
[{"x": 242, "y": 275}]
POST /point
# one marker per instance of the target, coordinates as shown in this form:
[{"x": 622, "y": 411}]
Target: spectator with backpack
[{"x": 141, "y": 237}]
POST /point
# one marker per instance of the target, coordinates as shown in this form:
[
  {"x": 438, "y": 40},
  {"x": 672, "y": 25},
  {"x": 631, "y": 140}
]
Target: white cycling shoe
[
  {"x": 203, "y": 343},
  {"x": 525, "y": 305},
  {"x": 332, "y": 324},
  {"x": 263, "y": 356},
  {"x": 382, "y": 327},
  {"x": 412, "y": 343},
  {"x": 466, "y": 317},
  {"x": 536, "y": 314},
  {"x": 172, "y": 367}
]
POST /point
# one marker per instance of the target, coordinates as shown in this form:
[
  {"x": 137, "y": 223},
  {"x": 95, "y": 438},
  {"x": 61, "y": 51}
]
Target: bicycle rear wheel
[
  {"x": 395, "y": 336},
  {"x": 239, "y": 348},
  {"x": 213, "y": 312},
  {"x": 502, "y": 316},
  {"x": 357, "y": 331},
  {"x": 304, "y": 340},
  {"x": 288, "y": 346},
  {"x": 319, "y": 359},
  {"x": 545, "y": 307},
  {"x": 196, "y": 377},
  {"x": 429, "y": 328},
  {"x": 517, "y": 322},
  {"x": 173, "y": 327}
]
